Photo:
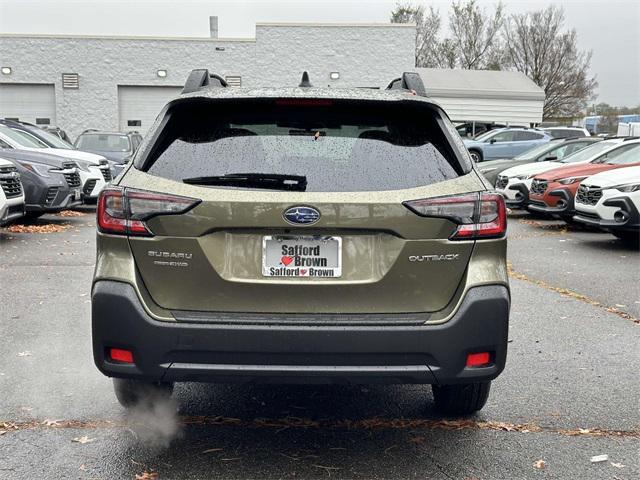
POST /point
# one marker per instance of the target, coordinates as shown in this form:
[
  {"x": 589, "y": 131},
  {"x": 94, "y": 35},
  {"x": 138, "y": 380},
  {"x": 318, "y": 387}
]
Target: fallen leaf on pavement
[
  {"x": 49, "y": 228},
  {"x": 2, "y": 432},
  {"x": 540, "y": 464},
  {"x": 617, "y": 465},
  {"x": 83, "y": 439},
  {"x": 51, "y": 423},
  {"x": 70, "y": 213},
  {"x": 24, "y": 354},
  {"x": 599, "y": 458},
  {"x": 147, "y": 476}
]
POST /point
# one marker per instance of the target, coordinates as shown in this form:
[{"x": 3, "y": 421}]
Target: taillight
[
  {"x": 125, "y": 211},
  {"x": 478, "y": 215}
]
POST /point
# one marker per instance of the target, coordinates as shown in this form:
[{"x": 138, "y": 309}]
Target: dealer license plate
[{"x": 306, "y": 257}]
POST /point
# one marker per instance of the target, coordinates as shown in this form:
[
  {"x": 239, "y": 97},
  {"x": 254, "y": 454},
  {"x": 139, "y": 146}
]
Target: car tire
[
  {"x": 131, "y": 393},
  {"x": 463, "y": 399},
  {"x": 476, "y": 155}
]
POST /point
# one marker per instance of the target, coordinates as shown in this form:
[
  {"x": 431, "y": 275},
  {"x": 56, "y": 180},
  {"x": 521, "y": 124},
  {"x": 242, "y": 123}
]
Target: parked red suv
[{"x": 553, "y": 191}]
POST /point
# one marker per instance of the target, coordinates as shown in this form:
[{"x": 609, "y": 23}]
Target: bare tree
[
  {"x": 537, "y": 46},
  {"x": 476, "y": 34},
  {"x": 427, "y": 30}
]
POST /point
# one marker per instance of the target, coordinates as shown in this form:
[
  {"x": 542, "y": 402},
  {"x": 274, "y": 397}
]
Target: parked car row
[
  {"x": 42, "y": 173},
  {"x": 590, "y": 181}
]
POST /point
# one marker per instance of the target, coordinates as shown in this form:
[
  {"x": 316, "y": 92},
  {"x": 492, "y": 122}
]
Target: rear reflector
[
  {"x": 120, "y": 355},
  {"x": 478, "y": 215},
  {"x": 480, "y": 359},
  {"x": 124, "y": 211}
]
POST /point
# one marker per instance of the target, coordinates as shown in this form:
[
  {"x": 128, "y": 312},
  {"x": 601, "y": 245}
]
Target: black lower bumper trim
[
  {"x": 522, "y": 196},
  {"x": 180, "y": 351}
]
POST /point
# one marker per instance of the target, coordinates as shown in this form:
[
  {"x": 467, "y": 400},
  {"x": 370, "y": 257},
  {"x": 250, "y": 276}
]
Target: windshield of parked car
[
  {"x": 55, "y": 140},
  {"x": 337, "y": 148},
  {"x": 485, "y": 135},
  {"x": 535, "y": 152},
  {"x": 21, "y": 138},
  {"x": 103, "y": 142},
  {"x": 586, "y": 153},
  {"x": 623, "y": 155},
  {"x": 565, "y": 132}
]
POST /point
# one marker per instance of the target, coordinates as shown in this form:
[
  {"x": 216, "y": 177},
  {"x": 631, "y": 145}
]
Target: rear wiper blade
[{"x": 273, "y": 181}]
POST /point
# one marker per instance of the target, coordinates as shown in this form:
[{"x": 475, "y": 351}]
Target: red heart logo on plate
[
  {"x": 286, "y": 260},
  {"x": 303, "y": 272}
]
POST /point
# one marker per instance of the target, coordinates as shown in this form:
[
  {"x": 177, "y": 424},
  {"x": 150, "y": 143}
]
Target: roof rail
[
  {"x": 200, "y": 78},
  {"x": 409, "y": 81}
]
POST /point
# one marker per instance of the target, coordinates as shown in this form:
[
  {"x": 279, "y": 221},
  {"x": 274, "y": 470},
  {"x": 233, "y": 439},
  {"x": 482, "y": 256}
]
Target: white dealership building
[{"x": 121, "y": 83}]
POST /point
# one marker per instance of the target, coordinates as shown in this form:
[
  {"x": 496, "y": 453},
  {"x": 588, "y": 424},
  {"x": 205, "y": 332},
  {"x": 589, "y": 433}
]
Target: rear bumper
[{"x": 220, "y": 352}]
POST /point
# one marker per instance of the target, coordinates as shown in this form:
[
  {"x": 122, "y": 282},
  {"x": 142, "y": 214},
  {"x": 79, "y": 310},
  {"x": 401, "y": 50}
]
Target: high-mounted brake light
[
  {"x": 304, "y": 102},
  {"x": 125, "y": 211},
  {"x": 478, "y": 215}
]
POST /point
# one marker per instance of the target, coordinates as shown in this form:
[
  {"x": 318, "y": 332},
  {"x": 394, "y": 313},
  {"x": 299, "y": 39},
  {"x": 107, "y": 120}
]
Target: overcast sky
[{"x": 610, "y": 28}]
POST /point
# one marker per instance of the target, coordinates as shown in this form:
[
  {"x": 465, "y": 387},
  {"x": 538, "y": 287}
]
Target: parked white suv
[
  {"x": 515, "y": 182},
  {"x": 611, "y": 200},
  {"x": 11, "y": 193},
  {"x": 94, "y": 169}
]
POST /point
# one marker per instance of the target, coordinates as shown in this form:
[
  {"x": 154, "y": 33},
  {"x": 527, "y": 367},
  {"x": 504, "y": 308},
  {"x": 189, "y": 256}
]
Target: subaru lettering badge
[{"x": 301, "y": 215}]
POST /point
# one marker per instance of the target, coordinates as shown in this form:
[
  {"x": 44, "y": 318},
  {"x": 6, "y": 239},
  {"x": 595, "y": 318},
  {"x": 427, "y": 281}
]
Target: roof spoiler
[
  {"x": 201, "y": 79},
  {"x": 410, "y": 81}
]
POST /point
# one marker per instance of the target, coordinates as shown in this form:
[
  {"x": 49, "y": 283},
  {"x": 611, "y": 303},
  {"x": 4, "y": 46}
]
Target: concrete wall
[{"x": 365, "y": 55}]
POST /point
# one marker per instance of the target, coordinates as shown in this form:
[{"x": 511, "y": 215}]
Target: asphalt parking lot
[{"x": 570, "y": 390}]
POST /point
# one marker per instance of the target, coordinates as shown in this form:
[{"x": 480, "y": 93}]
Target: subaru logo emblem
[{"x": 301, "y": 215}]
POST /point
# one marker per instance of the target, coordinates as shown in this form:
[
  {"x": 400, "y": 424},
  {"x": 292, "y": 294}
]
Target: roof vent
[
  {"x": 70, "y": 80},
  {"x": 305, "y": 83}
]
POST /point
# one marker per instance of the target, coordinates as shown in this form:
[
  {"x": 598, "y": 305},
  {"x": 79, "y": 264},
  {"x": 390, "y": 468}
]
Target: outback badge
[{"x": 301, "y": 215}]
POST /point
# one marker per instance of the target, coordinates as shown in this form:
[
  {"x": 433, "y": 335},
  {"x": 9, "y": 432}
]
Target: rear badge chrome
[
  {"x": 301, "y": 215},
  {"x": 171, "y": 259},
  {"x": 435, "y": 258}
]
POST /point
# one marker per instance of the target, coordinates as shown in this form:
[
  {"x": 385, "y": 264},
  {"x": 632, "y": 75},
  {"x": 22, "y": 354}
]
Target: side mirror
[
  {"x": 550, "y": 158},
  {"x": 492, "y": 141}
]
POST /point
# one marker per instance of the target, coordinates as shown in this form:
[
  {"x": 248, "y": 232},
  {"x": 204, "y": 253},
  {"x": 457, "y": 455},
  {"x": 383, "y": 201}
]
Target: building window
[
  {"x": 70, "y": 80},
  {"x": 134, "y": 123},
  {"x": 43, "y": 121},
  {"x": 233, "y": 80}
]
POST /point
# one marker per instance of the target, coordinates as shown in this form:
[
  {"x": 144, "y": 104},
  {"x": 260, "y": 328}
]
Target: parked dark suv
[
  {"x": 302, "y": 235},
  {"x": 50, "y": 183},
  {"x": 117, "y": 147}
]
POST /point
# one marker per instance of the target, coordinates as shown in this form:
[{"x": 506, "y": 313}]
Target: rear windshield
[{"x": 336, "y": 146}]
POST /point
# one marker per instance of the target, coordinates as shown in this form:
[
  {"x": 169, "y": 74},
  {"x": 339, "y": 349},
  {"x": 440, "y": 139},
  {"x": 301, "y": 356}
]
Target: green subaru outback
[{"x": 310, "y": 235}]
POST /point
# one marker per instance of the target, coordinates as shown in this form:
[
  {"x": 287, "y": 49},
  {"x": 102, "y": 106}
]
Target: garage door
[
  {"x": 139, "y": 106},
  {"x": 33, "y": 103}
]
